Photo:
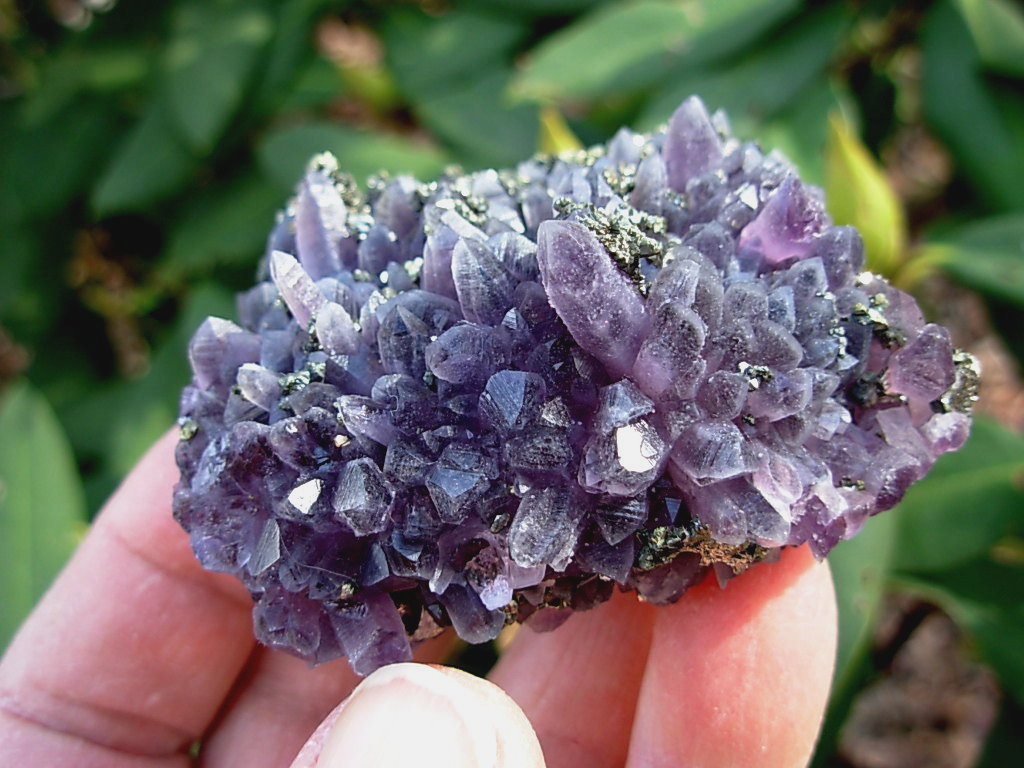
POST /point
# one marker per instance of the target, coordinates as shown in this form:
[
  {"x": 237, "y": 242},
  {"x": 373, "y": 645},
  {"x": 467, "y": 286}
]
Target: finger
[
  {"x": 279, "y": 701},
  {"x": 579, "y": 684},
  {"x": 134, "y": 647},
  {"x": 431, "y": 717},
  {"x": 740, "y": 676}
]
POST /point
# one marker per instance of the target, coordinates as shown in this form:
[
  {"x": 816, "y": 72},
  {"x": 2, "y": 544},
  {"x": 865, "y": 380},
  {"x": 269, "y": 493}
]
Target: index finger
[
  {"x": 740, "y": 676},
  {"x": 134, "y": 647},
  {"x": 724, "y": 677}
]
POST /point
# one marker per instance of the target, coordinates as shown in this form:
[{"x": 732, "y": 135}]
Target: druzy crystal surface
[{"x": 501, "y": 395}]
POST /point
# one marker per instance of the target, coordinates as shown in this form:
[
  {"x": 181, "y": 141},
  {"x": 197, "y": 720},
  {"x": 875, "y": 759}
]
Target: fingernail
[{"x": 415, "y": 714}]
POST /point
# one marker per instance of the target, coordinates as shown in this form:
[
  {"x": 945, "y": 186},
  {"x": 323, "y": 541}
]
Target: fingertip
[
  {"x": 139, "y": 513},
  {"x": 129, "y": 612},
  {"x": 427, "y": 715},
  {"x": 740, "y": 675},
  {"x": 588, "y": 671},
  {"x": 279, "y": 700}
]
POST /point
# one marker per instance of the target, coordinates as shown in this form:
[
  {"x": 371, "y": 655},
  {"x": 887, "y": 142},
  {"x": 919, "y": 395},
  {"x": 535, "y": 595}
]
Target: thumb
[{"x": 428, "y": 716}]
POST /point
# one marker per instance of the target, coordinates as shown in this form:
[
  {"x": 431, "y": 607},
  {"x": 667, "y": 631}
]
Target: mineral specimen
[{"x": 498, "y": 396}]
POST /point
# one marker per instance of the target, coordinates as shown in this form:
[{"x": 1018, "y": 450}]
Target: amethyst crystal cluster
[{"x": 495, "y": 397}]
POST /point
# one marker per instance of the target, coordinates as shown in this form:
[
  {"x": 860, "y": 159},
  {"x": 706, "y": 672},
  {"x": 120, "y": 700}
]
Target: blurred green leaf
[
  {"x": 986, "y": 599},
  {"x": 149, "y": 164},
  {"x": 370, "y": 85},
  {"x": 316, "y": 85},
  {"x": 536, "y": 7},
  {"x": 759, "y": 84},
  {"x": 479, "y": 125},
  {"x": 860, "y": 572},
  {"x": 88, "y": 420},
  {"x": 997, "y": 27},
  {"x": 116, "y": 67},
  {"x": 592, "y": 56},
  {"x": 12, "y": 208},
  {"x": 42, "y": 509},
  {"x": 29, "y": 296},
  {"x": 974, "y": 117},
  {"x": 46, "y": 164},
  {"x": 214, "y": 48},
  {"x": 858, "y": 193},
  {"x": 224, "y": 225},
  {"x": 860, "y": 569},
  {"x": 59, "y": 81},
  {"x": 76, "y": 68},
  {"x": 19, "y": 249},
  {"x": 454, "y": 71},
  {"x": 289, "y": 52},
  {"x": 284, "y": 153},
  {"x": 987, "y": 255},
  {"x": 152, "y": 401},
  {"x": 969, "y": 500},
  {"x": 431, "y": 55}
]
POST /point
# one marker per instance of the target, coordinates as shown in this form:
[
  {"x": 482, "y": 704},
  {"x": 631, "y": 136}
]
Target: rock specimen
[{"x": 498, "y": 396}]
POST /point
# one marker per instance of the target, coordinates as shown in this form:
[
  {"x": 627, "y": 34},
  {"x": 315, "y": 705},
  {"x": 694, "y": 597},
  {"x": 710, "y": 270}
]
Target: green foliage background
[{"x": 143, "y": 155}]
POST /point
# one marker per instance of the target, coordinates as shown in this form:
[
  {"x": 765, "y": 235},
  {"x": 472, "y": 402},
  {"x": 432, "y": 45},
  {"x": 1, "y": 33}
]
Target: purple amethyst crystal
[{"x": 498, "y": 396}]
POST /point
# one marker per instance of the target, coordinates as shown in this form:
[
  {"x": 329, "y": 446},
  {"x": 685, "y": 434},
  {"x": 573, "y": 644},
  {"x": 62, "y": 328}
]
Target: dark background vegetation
[{"x": 145, "y": 146}]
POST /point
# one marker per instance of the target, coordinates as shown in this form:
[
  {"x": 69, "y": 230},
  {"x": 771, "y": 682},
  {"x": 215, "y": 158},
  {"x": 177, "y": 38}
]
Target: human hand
[{"x": 136, "y": 653}]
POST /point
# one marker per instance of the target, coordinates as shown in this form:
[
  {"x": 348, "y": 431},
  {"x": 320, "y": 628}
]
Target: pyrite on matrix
[{"x": 501, "y": 395}]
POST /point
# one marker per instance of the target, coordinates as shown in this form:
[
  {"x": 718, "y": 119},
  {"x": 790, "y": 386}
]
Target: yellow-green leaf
[
  {"x": 555, "y": 134},
  {"x": 859, "y": 194}
]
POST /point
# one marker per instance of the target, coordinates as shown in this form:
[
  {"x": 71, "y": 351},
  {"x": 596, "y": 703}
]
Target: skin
[{"x": 135, "y": 653}]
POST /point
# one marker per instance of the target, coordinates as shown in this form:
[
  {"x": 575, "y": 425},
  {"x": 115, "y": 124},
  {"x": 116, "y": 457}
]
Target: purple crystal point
[
  {"x": 259, "y": 385},
  {"x": 362, "y": 499},
  {"x": 320, "y": 217},
  {"x": 336, "y": 330},
  {"x": 669, "y": 363},
  {"x": 484, "y": 286},
  {"x": 786, "y": 227},
  {"x": 545, "y": 529},
  {"x": 604, "y": 313},
  {"x": 625, "y": 454},
  {"x": 448, "y": 229},
  {"x": 296, "y": 287},
  {"x": 691, "y": 146},
  {"x": 218, "y": 348},
  {"x": 924, "y": 368},
  {"x": 495, "y": 397}
]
